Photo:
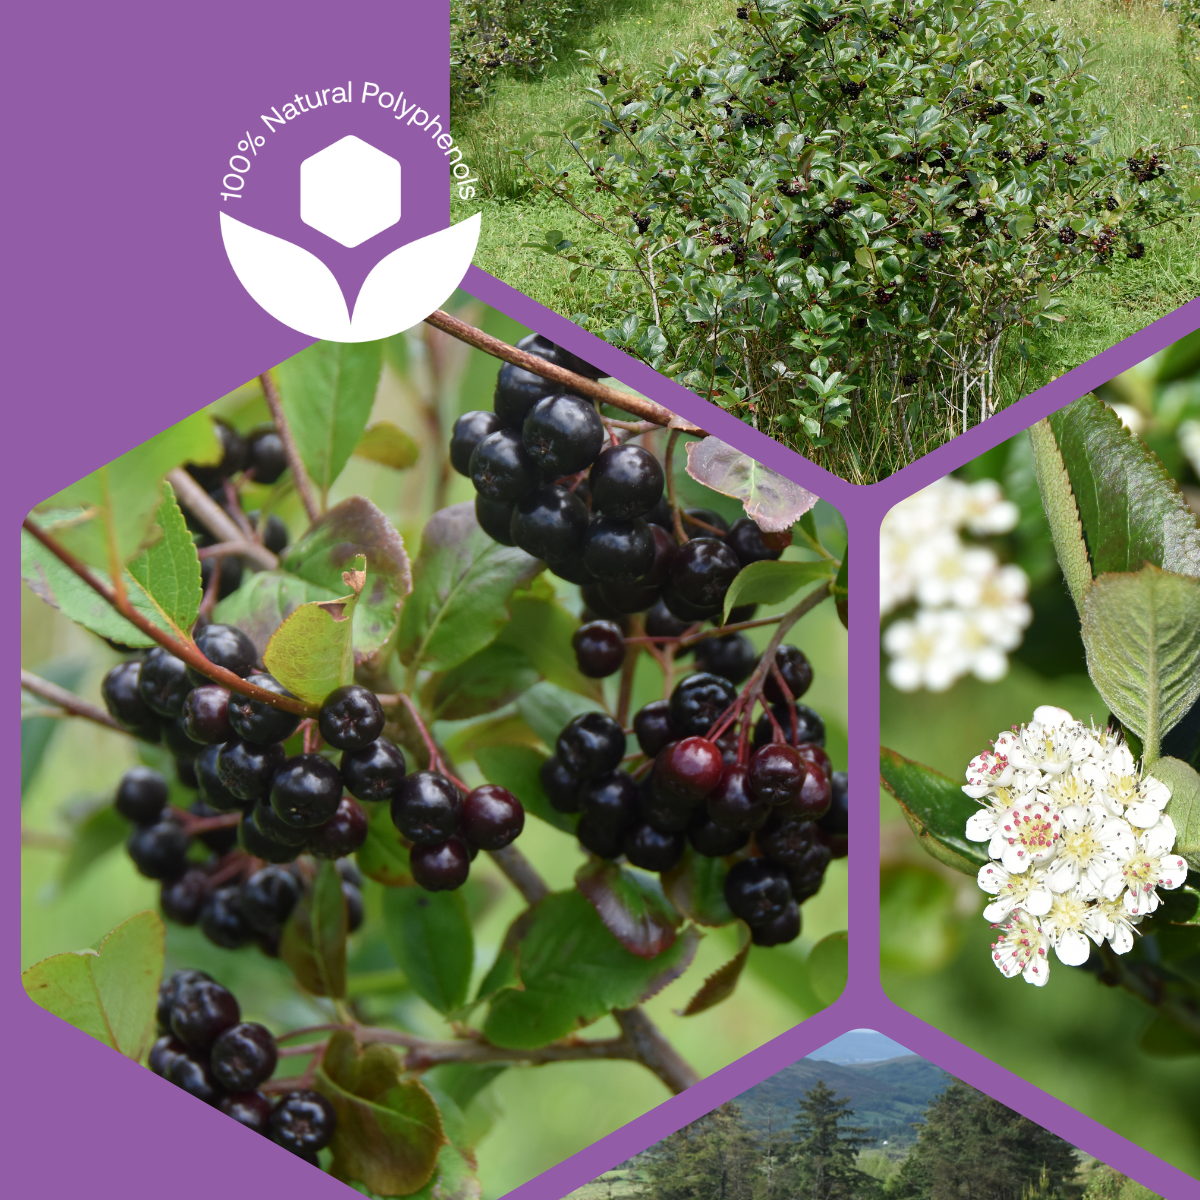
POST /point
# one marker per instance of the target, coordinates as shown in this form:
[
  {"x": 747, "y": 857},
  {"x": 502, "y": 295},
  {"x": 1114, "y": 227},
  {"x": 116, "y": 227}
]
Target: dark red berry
[
  {"x": 163, "y": 682},
  {"x": 469, "y": 430},
  {"x": 268, "y": 897},
  {"x": 812, "y": 755},
  {"x": 243, "y": 1057},
  {"x": 745, "y": 539},
  {"x": 776, "y": 774},
  {"x": 733, "y": 657},
  {"x": 688, "y": 770},
  {"x": 342, "y": 834},
  {"x": 549, "y": 524},
  {"x": 626, "y": 482},
  {"x": 251, "y": 1109},
  {"x": 645, "y": 847},
  {"x": 563, "y": 434},
  {"x": 259, "y": 722},
  {"x": 734, "y": 805},
  {"x": 713, "y": 841},
  {"x": 227, "y": 647},
  {"x": 441, "y": 866},
  {"x": 784, "y": 928},
  {"x": 351, "y": 717},
  {"x": 206, "y": 715},
  {"x": 592, "y": 744},
  {"x": 221, "y": 919},
  {"x": 182, "y": 899},
  {"x": 492, "y": 817},
  {"x": 698, "y": 701},
  {"x": 306, "y": 791},
  {"x": 797, "y": 673},
  {"x": 653, "y": 727},
  {"x": 201, "y": 1011},
  {"x": 426, "y": 808},
  {"x": 141, "y": 795},
  {"x": 757, "y": 891},
  {"x": 302, "y": 1122},
  {"x": 815, "y": 795},
  {"x": 374, "y": 772},
  {"x": 702, "y": 572},
  {"x": 159, "y": 851},
  {"x": 599, "y": 649}
]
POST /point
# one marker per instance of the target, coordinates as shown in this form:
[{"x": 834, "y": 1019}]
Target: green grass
[{"x": 1142, "y": 88}]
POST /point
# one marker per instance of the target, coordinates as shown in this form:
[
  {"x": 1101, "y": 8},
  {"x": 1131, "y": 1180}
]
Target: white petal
[
  {"x": 1140, "y": 904},
  {"x": 1120, "y": 938},
  {"x": 1015, "y": 858},
  {"x": 1049, "y": 714},
  {"x": 981, "y": 825},
  {"x": 1143, "y": 814},
  {"x": 1039, "y": 902},
  {"x": 999, "y": 910},
  {"x": 1172, "y": 871},
  {"x": 1160, "y": 837},
  {"x": 1038, "y": 971},
  {"x": 1114, "y": 885},
  {"x": 1073, "y": 948},
  {"x": 990, "y": 878}
]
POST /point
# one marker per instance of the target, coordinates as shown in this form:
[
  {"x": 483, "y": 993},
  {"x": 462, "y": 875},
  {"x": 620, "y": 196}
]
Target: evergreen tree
[
  {"x": 826, "y": 1151},
  {"x": 974, "y": 1148},
  {"x": 714, "y": 1158}
]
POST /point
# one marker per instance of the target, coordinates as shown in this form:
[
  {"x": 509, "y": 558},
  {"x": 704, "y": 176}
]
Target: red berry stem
[
  {"x": 688, "y": 639},
  {"x": 436, "y": 761}
]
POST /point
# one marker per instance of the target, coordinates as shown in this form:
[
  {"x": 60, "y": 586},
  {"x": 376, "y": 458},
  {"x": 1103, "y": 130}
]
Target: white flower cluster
[
  {"x": 1078, "y": 839},
  {"x": 971, "y": 609}
]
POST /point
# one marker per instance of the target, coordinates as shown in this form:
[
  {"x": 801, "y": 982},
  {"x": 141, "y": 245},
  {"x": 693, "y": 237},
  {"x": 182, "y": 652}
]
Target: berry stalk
[
  {"x": 295, "y": 462},
  {"x": 67, "y": 701}
]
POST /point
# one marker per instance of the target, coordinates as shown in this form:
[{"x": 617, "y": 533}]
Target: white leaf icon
[{"x": 297, "y": 288}]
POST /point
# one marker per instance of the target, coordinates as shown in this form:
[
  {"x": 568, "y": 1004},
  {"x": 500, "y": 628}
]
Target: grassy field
[{"x": 1142, "y": 89}]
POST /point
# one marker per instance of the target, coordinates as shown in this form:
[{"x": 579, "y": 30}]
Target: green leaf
[
  {"x": 462, "y": 581},
  {"x": 722, "y": 983},
  {"x": 828, "y": 967},
  {"x": 36, "y": 732},
  {"x": 388, "y": 444},
  {"x": 840, "y": 590},
  {"x": 384, "y": 855},
  {"x": 518, "y": 768},
  {"x": 770, "y": 582},
  {"x": 95, "y": 836},
  {"x": 1164, "y": 1039},
  {"x": 327, "y": 392},
  {"x": 430, "y": 937},
  {"x": 314, "y": 939},
  {"x": 918, "y": 923},
  {"x": 1131, "y": 510},
  {"x": 489, "y": 680},
  {"x": 574, "y": 972},
  {"x": 633, "y": 910},
  {"x": 771, "y": 500},
  {"x": 109, "y": 992},
  {"x": 1062, "y": 513},
  {"x": 312, "y": 652},
  {"x": 542, "y": 629},
  {"x": 168, "y": 572},
  {"x": 546, "y": 708},
  {"x": 265, "y": 600},
  {"x": 696, "y": 888},
  {"x": 454, "y": 1178},
  {"x": 1142, "y": 636},
  {"x": 121, "y": 498},
  {"x": 333, "y": 544},
  {"x": 1180, "y": 360},
  {"x": 389, "y": 1132},
  {"x": 1184, "y": 806},
  {"x": 935, "y": 808}
]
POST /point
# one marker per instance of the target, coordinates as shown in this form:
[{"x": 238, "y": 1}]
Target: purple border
[{"x": 121, "y": 302}]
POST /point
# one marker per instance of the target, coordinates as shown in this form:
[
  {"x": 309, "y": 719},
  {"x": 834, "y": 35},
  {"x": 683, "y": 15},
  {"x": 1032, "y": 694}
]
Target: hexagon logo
[{"x": 350, "y": 191}]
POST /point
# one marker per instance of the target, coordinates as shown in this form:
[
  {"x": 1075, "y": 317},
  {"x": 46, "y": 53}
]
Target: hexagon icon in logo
[{"x": 350, "y": 191}]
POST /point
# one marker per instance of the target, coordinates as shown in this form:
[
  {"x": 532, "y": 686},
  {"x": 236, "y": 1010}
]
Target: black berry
[
  {"x": 302, "y": 1122},
  {"x": 702, "y": 572},
  {"x": 495, "y": 519},
  {"x": 698, "y": 701},
  {"x": 599, "y": 648},
  {"x": 206, "y": 715},
  {"x": 182, "y": 899},
  {"x": 243, "y": 1057},
  {"x": 573, "y": 570},
  {"x": 212, "y": 791},
  {"x": 535, "y": 343},
  {"x": 163, "y": 1052},
  {"x": 123, "y": 698},
  {"x": 806, "y": 875},
  {"x": 271, "y": 824},
  {"x": 426, "y": 808},
  {"x": 599, "y": 839},
  {"x": 549, "y": 524},
  {"x": 560, "y": 786},
  {"x": 246, "y": 769},
  {"x": 733, "y": 657},
  {"x": 653, "y": 727},
  {"x": 351, "y": 717},
  {"x": 159, "y": 851},
  {"x": 163, "y": 682},
  {"x": 618, "y": 551},
  {"x": 251, "y": 1109},
  {"x": 306, "y": 791},
  {"x": 646, "y": 847},
  {"x": 469, "y": 430},
  {"x": 175, "y": 738},
  {"x": 268, "y": 897},
  {"x": 712, "y": 840},
  {"x": 797, "y": 673},
  {"x": 704, "y": 523},
  {"x": 266, "y": 456},
  {"x": 232, "y": 571},
  {"x": 501, "y": 469},
  {"x": 733, "y": 805},
  {"x": 684, "y": 610},
  {"x": 563, "y": 434},
  {"x": 517, "y": 391},
  {"x": 141, "y": 795},
  {"x": 168, "y": 989},
  {"x": 221, "y": 919},
  {"x": 201, "y": 1011},
  {"x": 757, "y": 891},
  {"x": 257, "y": 844},
  {"x": 220, "y": 840},
  {"x": 227, "y": 647},
  {"x": 626, "y": 482},
  {"x": 662, "y": 623},
  {"x": 809, "y": 726},
  {"x": 592, "y": 744},
  {"x": 784, "y": 928},
  {"x": 440, "y": 867},
  {"x": 374, "y": 772},
  {"x": 259, "y": 722},
  {"x": 342, "y": 834},
  {"x": 233, "y": 457},
  {"x": 354, "y": 906},
  {"x": 609, "y": 801},
  {"x": 189, "y": 1070},
  {"x": 835, "y": 824}
]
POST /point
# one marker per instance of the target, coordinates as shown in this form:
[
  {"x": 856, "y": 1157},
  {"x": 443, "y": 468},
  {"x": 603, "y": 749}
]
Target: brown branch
[
  {"x": 67, "y": 701},
  {"x": 218, "y": 522},
  {"x": 647, "y": 410},
  {"x": 653, "y": 1050},
  {"x": 40, "y": 839},
  {"x": 185, "y": 650},
  {"x": 521, "y": 873},
  {"x": 295, "y": 462}
]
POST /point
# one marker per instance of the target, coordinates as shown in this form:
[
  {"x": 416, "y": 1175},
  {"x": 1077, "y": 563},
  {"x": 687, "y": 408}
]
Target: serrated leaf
[
  {"x": 454, "y": 1178},
  {"x": 314, "y": 939},
  {"x": 633, "y": 910},
  {"x": 102, "y": 831},
  {"x": 332, "y": 545},
  {"x": 327, "y": 393},
  {"x": 696, "y": 888},
  {"x": 109, "y": 992},
  {"x": 1142, "y": 636},
  {"x": 771, "y": 500},
  {"x": 312, "y": 652},
  {"x": 828, "y": 967},
  {"x": 120, "y": 499},
  {"x": 431, "y": 940},
  {"x": 542, "y": 629},
  {"x": 489, "y": 680},
  {"x": 1184, "y": 806},
  {"x": 722, "y": 983},
  {"x": 168, "y": 571},
  {"x": 389, "y": 1133},
  {"x": 936, "y": 810},
  {"x": 518, "y": 768},
  {"x": 1131, "y": 511},
  {"x": 462, "y": 581},
  {"x": 546, "y": 708},
  {"x": 574, "y": 972},
  {"x": 770, "y": 582},
  {"x": 383, "y": 857},
  {"x": 386, "y": 443},
  {"x": 265, "y": 601}
]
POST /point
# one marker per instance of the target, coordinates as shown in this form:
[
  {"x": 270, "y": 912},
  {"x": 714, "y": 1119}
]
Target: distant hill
[
  {"x": 887, "y": 1097},
  {"x": 860, "y": 1046}
]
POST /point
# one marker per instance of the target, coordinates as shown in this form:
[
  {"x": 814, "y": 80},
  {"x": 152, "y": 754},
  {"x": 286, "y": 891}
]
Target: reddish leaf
[{"x": 635, "y": 913}]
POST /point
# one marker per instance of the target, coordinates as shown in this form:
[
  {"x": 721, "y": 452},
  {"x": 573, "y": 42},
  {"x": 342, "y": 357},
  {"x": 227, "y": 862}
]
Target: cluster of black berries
[
  {"x": 1067, "y": 236},
  {"x": 208, "y": 1051},
  {"x": 934, "y": 240},
  {"x": 1144, "y": 169},
  {"x": 713, "y": 795},
  {"x": 1036, "y": 154},
  {"x": 839, "y": 207}
]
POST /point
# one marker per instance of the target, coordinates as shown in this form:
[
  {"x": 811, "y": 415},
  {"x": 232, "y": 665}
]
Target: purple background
[{"x": 122, "y": 303}]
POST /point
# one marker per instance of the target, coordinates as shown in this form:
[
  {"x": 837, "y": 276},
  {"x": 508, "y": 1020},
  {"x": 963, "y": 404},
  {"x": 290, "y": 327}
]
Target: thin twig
[
  {"x": 687, "y": 639},
  {"x": 521, "y": 873},
  {"x": 647, "y": 410},
  {"x": 218, "y": 522},
  {"x": 295, "y": 462},
  {"x": 67, "y": 701},
  {"x": 241, "y": 549},
  {"x": 185, "y": 650},
  {"x": 653, "y": 1050},
  {"x": 40, "y": 839}
]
